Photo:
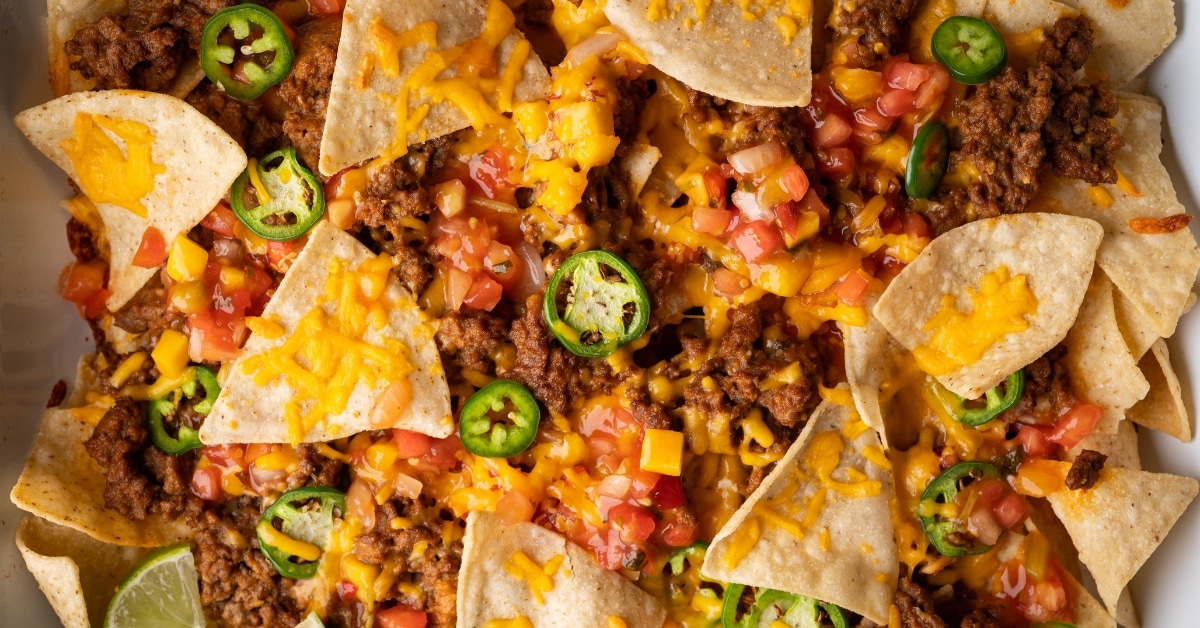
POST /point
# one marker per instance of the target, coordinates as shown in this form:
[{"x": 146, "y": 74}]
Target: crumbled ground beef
[
  {"x": 878, "y": 24},
  {"x": 1085, "y": 471},
  {"x": 149, "y": 311},
  {"x": 647, "y": 412},
  {"x": 467, "y": 337},
  {"x": 916, "y": 606},
  {"x": 317, "y": 470},
  {"x": 246, "y": 122},
  {"x": 1013, "y": 123},
  {"x": 306, "y": 88},
  {"x": 140, "y": 479},
  {"x": 238, "y": 586},
  {"x": 752, "y": 125},
  {"x": 82, "y": 241},
  {"x": 1047, "y": 392}
]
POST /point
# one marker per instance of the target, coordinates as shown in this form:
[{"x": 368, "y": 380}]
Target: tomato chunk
[
  {"x": 1076, "y": 424},
  {"x": 756, "y": 240}
]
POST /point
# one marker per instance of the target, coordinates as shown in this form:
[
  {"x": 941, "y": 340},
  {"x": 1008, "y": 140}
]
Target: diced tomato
[
  {"x": 756, "y": 239},
  {"x": 836, "y": 162},
  {"x": 254, "y": 450},
  {"x": 608, "y": 420},
  {"x": 916, "y": 226},
  {"x": 282, "y": 254},
  {"x": 813, "y": 203},
  {"x": 484, "y": 293},
  {"x": 152, "y": 251},
  {"x": 458, "y": 285},
  {"x": 490, "y": 171},
  {"x": 326, "y": 7},
  {"x": 909, "y": 76},
  {"x": 226, "y": 456},
  {"x": 833, "y": 130},
  {"x": 1010, "y": 509},
  {"x": 871, "y": 120},
  {"x": 614, "y": 553},
  {"x": 795, "y": 181},
  {"x": 82, "y": 283},
  {"x": 206, "y": 483},
  {"x": 220, "y": 220},
  {"x": 504, "y": 265},
  {"x": 514, "y": 507},
  {"x": 634, "y": 523},
  {"x": 711, "y": 220},
  {"x": 668, "y": 492},
  {"x": 443, "y": 453},
  {"x": 982, "y": 525},
  {"x": 210, "y": 342},
  {"x": 1034, "y": 441},
  {"x": 678, "y": 531},
  {"x": 347, "y": 590},
  {"x": 715, "y": 183},
  {"x": 852, "y": 288},
  {"x": 929, "y": 94},
  {"x": 411, "y": 444},
  {"x": 896, "y": 102},
  {"x": 1075, "y": 424}
]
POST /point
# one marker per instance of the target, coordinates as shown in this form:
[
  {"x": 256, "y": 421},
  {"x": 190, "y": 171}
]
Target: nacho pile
[{"x": 618, "y": 314}]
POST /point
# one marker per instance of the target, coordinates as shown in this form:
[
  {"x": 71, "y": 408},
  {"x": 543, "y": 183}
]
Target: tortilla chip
[
  {"x": 870, "y": 364},
  {"x": 63, "y": 484},
  {"x": 1120, "y": 521},
  {"x": 362, "y": 122},
  {"x": 764, "y": 61},
  {"x": 1163, "y": 408},
  {"x": 1055, "y": 253},
  {"x": 248, "y": 412},
  {"x": 1042, "y": 519},
  {"x": 200, "y": 162},
  {"x": 1121, "y": 447},
  {"x": 854, "y": 565},
  {"x": 583, "y": 593},
  {"x": 1155, "y": 272},
  {"x": 637, "y": 165},
  {"x": 1135, "y": 328},
  {"x": 1126, "y": 613},
  {"x": 1121, "y": 51},
  {"x": 1098, "y": 359},
  {"x": 63, "y": 18},
  {"x": 77, "y": 573},
  {"x": 1011, "y": 18}
]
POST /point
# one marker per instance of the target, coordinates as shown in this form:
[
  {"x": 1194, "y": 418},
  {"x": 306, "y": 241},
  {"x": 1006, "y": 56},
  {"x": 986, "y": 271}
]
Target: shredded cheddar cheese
[{"x": 105, "y": 172}]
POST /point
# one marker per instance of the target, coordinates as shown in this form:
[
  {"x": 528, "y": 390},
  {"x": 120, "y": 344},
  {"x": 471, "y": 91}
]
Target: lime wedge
[
  {"x": 312, "y": 621},
  {"x": 161, "y": 590}
]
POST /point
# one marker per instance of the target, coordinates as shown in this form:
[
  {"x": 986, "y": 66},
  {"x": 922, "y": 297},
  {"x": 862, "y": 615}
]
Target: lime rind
[{"x": 162, "y": 590}]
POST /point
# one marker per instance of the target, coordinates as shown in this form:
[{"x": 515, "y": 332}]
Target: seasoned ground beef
[
  {"x": 82, "y": 241},
  {"x": 1047, "y": 393},
  {"x": 305, "y": 90},
  {"x": 149, "y": 311},
  {"x": 1085, "y": 470},
  {"x": 554, "y": 375},
  {"x": 467, "y": 337},
  {"x": 317, "y": 470},
  {"x": 753, "y": 125},
  {"x": 1013, "y": 123},
  {"x": 140, "y": 479},
  {"x": 647, "y": 412},
  {"x": 238, "y": 586},
  {"x": 916, "y": 606},
  {"x": 878, "y": 25},
  {"x": 246, "y": 122}
]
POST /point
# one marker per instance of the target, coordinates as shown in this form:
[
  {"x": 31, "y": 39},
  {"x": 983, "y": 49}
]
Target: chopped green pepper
[
  {"x": 187, "y": 438},
  {"x": 770, "y": 606},
  {"x": 970, "y": 48},
  {"x": 927, "y": 160},
  {"x": 288, "y": 198},
  {"x": 996, "y": 404},
  {"x": 606, "y": 306},
  {"x": 500, "y": 420},
  {"x": 260, "y": 38},
  {"x": 301, "y": 525},
  {"x": 693, "y": 554},
  {"x": 943, "y": 490}
]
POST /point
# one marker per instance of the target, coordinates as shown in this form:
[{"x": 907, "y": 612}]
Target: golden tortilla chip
[
  {"x": 637, "y": 165},
  {"x": 191, "y": 164},
  {"x": 714, "y": 48},
  {"x": 1130, "y": 34},
  {"x": 1163, "y": 408},
  {"x": 77, "y": 573},
  {"x": 870, "y": 364},
  {"x": 382, "y": 47},
  {"x": 1121, "y": 447},
  {"x": 1119, "y": 522},
  {"x": 251, "y": 410},
  {"x": 1012, "y": 18},
  {"x": 1101, "y": 367},
  {"x": 848, "y": 555},
  {"x": 63, "y": 484},
  {"x": 525, "y": 570},
  {"x": 1139, "y": 334},
  {"x": 1020, "y": 245},
  {"x": 1154, "y": 271}
]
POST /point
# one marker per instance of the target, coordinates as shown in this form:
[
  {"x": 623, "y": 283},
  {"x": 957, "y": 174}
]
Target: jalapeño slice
[
  {"x": 693, "y": 554},
  {"x": 606, "y": 304},
  {"x": 186, "y": 438},
  {"x": 996, "y": 403},
  {"x": 306, "y": 517},
  {"x": 927, "y": 160},
  {"x": 943, "y": 490},
  {"x": 288, "y": 199},
  {"x": 772, "y": 606},
  {"x": 245, "y": 49},
  {"x": 970, "y": 48},
  {"x": 500, "y": 420}
]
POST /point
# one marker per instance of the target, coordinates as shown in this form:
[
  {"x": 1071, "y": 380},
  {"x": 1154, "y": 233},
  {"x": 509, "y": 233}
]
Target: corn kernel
[
  {"x": 662, "y": 451},
  {"x": 857, "y": 85},
  {"x": 171, "y": 353},
  {"x": 186, "y": 260},
  {"x": 189, "y": 297},
  {"x": 233, "y": 278}
]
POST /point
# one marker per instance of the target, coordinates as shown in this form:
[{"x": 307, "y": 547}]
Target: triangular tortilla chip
[
  {"x": 63, "y": 484},
  {"x": 1135, "y": 327},
  {"x": 1127, "y": 616},
  {"x": 1121, "y": 51},
  {"x": 1101, "y": 367},
  {"x": 254, "y": 412},
  {"x": 362, "y": 121},
  {"x": 1154, "y": 271},
  {"x": 762, "y": 61},
  {"x": 1119, "y": 522},
  {"x": 198, "y": 163},
  {"x": 1121, "y": 447},
  {"x": 583, "y": 593},
  {"x": 1054, "y": 253},
  {"x": 1163, "y": 408},
  {"x": 1012, "y": 18},
  {"x": 870, "y": 365},
  {"x": 77, "y": 573},
  {"x": 848, "y": 556}
]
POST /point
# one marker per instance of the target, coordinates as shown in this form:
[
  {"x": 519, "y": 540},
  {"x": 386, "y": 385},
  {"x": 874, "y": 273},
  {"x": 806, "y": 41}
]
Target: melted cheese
[
  {"x": 105, "y": 172},
  {"x": 538, "y": 577},
  {"x": 999, "y": 307}
]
